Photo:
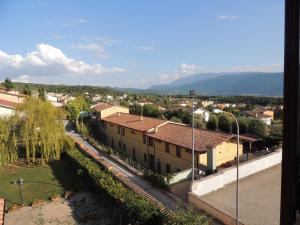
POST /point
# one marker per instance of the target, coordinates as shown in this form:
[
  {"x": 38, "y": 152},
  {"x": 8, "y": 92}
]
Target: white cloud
[
  {"x": 94, "y": 48},
  {"x": 49, "y": 61},
  {"x": 80, "y": 20},
  {"x": 149, "y": 47},
  {"x": 182, "y": 71},
  {"x": 227, "y": 17},
  {"x": 107, "y": 40},
  {"x": 22, "y": 78}
]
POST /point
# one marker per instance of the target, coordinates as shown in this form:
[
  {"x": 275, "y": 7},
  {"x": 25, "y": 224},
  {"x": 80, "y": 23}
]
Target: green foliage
[
  {"x": 225, "y": 123},
  {"x": 212, "y": 124},
  {"x": 176, "y": 119},
  {"x": 155, "y": 179},
  {"x": 148, "y": 110},
  {"x": 42, "y": 94},
  {"x": 76, "y": 106},
  {"x": 256, "y": 126},
  {"x": 188, "y": 217},
  {"x": 199, "y": 122},
  {"x": 183, "y": 115},
  {"x": 41, "y": 130},
  {"x": 243, "y": 125},
  {"x": 27, "y": 90},
  {"x": 81, "y": 128},
  {"x": 8, "y": 84},
  {"x": 138, "y": 208}
]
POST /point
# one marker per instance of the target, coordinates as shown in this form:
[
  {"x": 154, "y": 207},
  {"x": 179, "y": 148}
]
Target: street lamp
[
  {"x": 237, "y": 165},
  {"x": 19, "y": 181},
  {"x": 192, "y": 93}
]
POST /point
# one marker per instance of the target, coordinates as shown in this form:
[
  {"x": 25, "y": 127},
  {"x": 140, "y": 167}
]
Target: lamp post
[
  {"x": 19, "y": 181},
  {"x": 237, "y": 165},
  {"x": 192, "y": 93}
]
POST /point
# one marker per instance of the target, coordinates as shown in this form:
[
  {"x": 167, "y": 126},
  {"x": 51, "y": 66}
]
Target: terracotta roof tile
[
  {"x": 181, "y": 135},
  {"x": 134, "y": 121},
  {"x": 8, "y": 104},
  {"x": 102, "y": 106}
]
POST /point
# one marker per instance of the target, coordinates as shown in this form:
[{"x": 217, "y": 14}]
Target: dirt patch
[{"x": 83, "y": 208}]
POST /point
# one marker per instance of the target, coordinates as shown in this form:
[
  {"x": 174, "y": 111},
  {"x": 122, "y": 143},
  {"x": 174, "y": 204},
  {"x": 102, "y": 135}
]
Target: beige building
[
  {"x": 9, "y": 101},
  {"x": 164, "y": 146}
]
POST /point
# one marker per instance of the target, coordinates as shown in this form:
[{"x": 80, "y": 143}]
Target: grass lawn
[{"x": 40, "y": 181}]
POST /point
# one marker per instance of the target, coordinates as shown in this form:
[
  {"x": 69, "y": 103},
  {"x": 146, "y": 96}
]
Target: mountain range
[{"x": 240, "y": 83}]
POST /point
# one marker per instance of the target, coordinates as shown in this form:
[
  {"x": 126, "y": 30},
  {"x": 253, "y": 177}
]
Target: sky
[{"x": 137, "y": 43}]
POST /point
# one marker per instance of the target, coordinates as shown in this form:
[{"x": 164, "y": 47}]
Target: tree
[
  {"x": 198, "y": 122},
  {"x": 8, "y": 84},
  {"x": 42, "y": 94},
  {"x": 225, "y": 123},
  {"x": 151, "y": 111},
  {"x": 41, "y": 130},
  {"x": 76, "y": 106},
  {"x": 256, "y": 126},
  {"x": 243, "y": 125},
  {"x": 212, "y": 124},
  {"x": 27, "y": 90}
]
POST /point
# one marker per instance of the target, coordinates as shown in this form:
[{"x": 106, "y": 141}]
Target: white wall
[
  {"x": 224, "y": 177},
  {"x": 4, "y": 112},
  {"x": 180, "y": 176}
]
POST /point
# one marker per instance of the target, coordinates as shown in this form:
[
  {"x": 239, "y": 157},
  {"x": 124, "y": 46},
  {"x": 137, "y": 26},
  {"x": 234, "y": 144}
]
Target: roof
[
  {"x": 102, "y": 106},
  {"x": 133, "y": 121},
  {"x": 181, "y": 135},
  {"x": 257, "y": 114},
  {"x": 8, "y": 104}
]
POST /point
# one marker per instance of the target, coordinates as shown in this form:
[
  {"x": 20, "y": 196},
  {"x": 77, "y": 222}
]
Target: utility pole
[{"x": 192, "y": 93}]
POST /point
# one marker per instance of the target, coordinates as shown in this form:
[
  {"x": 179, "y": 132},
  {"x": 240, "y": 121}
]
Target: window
[
  {"x": 119, "y": 130},
  {"x": 144, "y": 139},
  {"x": 168, "y": 168},
  {"x": 187, "y": 150},
  {"x": 133, "y": 154},
  {"x": 132, "y": 131},
  {"x": 111, "y": 125},
  {"x": 178, "y": 170},
  {"x": 120, "y": 145},
  {"x": 158, "y": 167},
  {"x": 158, "y": 141},
  {"x": 104, "y": 124},
  {"x": 124, "y": 147},
  {"x": 167, "y": 147},
  {"x": 145, "y": 158},
  {"x": 150, "y": 141},
  {"x": 112, "y": 143},
  {"x": 178, "y": 151},
  {"x": 123, "y": 131}
]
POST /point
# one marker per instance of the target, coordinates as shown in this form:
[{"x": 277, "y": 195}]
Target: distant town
[{"x": 148, "y": 142}]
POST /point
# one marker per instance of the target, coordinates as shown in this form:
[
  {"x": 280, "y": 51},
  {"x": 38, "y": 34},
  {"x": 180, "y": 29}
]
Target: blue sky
[{"x": 137, "y": 43}]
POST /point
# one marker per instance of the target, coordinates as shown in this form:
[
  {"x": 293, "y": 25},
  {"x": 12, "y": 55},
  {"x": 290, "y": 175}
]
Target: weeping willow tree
[
  {"x": 8, "y": 141},
  {"x": 41, "y": 131}
]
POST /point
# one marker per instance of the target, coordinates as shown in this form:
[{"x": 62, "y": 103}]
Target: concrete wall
[
  {"x": 220, "y": 179},
  {"x": 5, "y": 112},
  {"x": 180, "y": 176}
]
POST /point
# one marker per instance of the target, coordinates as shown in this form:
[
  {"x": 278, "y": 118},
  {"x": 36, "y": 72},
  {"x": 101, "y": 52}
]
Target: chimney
[
  {"x": 155, "y": 129},
  {"x": 119, "y": 114},
  {"x": 141, "y": 118}
]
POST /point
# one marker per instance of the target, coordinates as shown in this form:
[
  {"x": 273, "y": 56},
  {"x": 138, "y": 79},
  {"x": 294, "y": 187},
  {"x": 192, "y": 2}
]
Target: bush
[
  {"x": 256, "y": 126},
  {"x": 212, "y": 124},
  {"x": 139, "y": 210},
  {"x": 155, "y": 179},
  {"x": 225, "y": 123}
]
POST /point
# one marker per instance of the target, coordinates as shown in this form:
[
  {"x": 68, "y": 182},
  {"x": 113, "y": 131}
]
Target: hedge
[{"x": 138, "y": 209}]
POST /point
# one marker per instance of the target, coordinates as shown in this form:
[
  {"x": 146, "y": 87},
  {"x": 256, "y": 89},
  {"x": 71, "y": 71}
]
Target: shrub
[{"x": 155, "y": 179}]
